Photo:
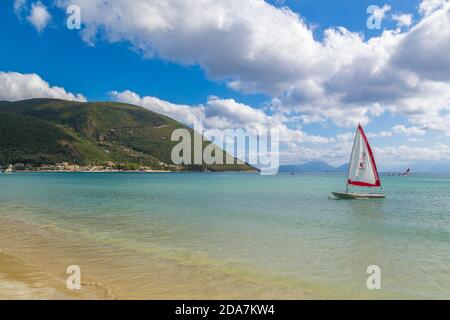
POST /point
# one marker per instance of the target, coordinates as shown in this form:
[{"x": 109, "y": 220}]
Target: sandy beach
[
  {"x": 24, "y": 272},
  {"x": 19, "y": 281},
  {"x": 33, "y": 260}
]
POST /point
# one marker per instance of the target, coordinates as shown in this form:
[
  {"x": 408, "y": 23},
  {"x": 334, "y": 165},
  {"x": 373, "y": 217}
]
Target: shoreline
[
  {"x": 19, "y": 281},
  {"x": 110, "y": 168},
  {"x": 36, "y": 268},
  {"x": 94, "y": 171},
  {"x": 124, "y": 171}
]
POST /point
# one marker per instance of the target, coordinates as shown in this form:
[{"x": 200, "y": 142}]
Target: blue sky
[
  {"x": 134, "y": 58},
  {"x": 61, "y": 57}
]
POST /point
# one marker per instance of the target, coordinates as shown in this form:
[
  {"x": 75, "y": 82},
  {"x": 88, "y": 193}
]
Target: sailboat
[
  {"x": 9, "y": 169},
  {"x": 362, "y": 171}
]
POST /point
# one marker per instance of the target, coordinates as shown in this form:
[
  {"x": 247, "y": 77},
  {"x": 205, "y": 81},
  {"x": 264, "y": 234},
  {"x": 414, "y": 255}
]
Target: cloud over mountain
[
  {"x": 16, "y": 86},
  {"x": 222, "y": 114},
  {"x": 257, "y": 47}
]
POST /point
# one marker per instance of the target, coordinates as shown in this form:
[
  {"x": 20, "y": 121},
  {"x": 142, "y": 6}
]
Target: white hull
[{"x": 351, "y": 195}]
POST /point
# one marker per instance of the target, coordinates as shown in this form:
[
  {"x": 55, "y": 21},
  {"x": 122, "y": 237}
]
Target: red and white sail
[{"x": 363, "y": 169}]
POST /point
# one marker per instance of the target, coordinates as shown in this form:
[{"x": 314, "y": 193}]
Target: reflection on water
[{"x": 229, "y": 235}]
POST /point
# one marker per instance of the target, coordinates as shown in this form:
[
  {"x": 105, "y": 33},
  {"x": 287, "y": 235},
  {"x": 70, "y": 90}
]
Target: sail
[{"x": 363, "y": 169}]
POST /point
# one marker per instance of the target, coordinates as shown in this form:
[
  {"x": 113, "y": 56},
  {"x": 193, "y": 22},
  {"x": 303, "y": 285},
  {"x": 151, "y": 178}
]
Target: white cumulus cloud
[
  {"x": 257, "y": 47},
  {"x": 403, "y": 20},
  {"x": 16, "y": 86},
  {"x": 19, "y": 6},
  {"x": 39, "y": 16},
  {"x": 222, "y": 114},
  {"x": 182, "y": 113},
  {"x": 411, "y": 131},
  {"x": 427, "y": 7}
]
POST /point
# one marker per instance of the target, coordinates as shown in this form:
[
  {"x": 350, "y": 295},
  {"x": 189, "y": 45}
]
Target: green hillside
[{"x": 49, "y": 131}]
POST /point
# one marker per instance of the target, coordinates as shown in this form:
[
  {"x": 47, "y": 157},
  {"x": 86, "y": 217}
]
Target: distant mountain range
[
  {"x": 313, "y": 166},
  {"x": 424, "y": 167},
  {"x": 417, "y": 167}
]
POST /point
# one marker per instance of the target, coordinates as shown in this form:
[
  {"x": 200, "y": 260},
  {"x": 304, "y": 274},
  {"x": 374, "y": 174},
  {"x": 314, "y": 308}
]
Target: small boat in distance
[
  {"x": 9, "y": 169},
  {"x": 406, "y": 173},
  {"x": 362, "y": 171}
]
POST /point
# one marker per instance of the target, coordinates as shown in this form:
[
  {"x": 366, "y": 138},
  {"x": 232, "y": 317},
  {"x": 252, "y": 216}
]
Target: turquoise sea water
[{"x": 284, "y": 229}]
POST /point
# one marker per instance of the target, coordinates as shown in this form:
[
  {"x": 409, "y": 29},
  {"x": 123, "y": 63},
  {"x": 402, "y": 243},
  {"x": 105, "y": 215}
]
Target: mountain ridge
[
  {"x": 415, "y": 167},
  {"x": 424, "y": 167},
  {"x": 314, "y": 166}
]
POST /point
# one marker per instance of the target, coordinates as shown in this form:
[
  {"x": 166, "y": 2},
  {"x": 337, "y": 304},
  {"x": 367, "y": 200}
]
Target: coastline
[
  {"x": 95, "y": 171},
  {"x": 128, "y": 171},
  {"x": 111, "y": 167}
]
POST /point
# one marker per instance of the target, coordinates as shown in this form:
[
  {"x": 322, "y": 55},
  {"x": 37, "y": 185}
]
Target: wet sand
[
  {"x": 34, "y": 258},
  {"x": 19, "y": 281}
]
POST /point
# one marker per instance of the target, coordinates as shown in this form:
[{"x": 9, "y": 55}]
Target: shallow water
[{"x": 229, "y": 235}]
